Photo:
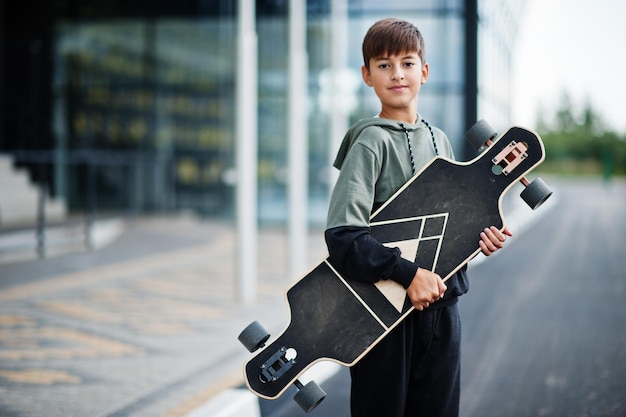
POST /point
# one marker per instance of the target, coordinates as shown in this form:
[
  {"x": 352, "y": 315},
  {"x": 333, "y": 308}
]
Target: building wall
[
  {"x": 497, "y": 33},
  {"x": 142, "y": 104}
]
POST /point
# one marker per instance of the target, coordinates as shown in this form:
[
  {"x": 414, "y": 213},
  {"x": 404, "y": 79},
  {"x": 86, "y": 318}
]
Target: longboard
[{"x": 435, "y": 219}]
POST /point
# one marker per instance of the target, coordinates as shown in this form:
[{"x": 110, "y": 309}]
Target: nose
[{"x": 397, "y": 74}]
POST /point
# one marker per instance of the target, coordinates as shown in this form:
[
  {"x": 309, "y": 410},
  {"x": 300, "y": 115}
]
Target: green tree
[{"x": 580, "y": 143}]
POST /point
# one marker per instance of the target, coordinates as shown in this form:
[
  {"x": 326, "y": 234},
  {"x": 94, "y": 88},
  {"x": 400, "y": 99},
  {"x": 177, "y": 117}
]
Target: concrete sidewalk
[
  {"x": 144, "y": 327},
  {"x": 147, "y": 325}
]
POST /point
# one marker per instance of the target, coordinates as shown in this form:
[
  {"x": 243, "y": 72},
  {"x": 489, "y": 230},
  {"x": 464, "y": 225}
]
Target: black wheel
[
  {"x": 536, "y": 193},
  {"x": 479, "y": 134},
  {"x": 254, "y": 336},
  {"x": 309, "y": 396}
]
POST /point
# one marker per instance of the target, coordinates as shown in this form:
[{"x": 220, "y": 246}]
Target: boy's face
[{"x": 396, "y": 80}]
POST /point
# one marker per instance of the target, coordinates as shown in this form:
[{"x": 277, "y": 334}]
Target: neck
[{"x": 402, "y": 115}]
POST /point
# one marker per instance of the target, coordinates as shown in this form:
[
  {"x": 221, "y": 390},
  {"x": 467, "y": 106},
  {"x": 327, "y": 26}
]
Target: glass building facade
[
  {"x": 141, "y": 106},
  {"x": 497, "y": 32}
]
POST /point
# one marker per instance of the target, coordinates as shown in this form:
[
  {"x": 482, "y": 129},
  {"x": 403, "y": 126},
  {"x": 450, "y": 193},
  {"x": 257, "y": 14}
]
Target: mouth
[{"x": 397, "y": 88}]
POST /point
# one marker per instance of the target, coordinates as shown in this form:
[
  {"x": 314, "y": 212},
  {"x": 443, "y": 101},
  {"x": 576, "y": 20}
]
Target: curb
[
  {"x": 21, "y": 245},
  {"x": 237, "y": 402},
  {"x": 230, "y": 403}
]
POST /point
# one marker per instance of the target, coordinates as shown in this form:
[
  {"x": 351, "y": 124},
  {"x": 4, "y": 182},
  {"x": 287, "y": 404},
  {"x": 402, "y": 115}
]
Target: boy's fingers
[
  {"x": 442, "y": 288},
  {"x": 486, "y": 245},
  {"x": 493, "y": 239},
  {"x": 487, "y": 241},
  {"x": 501, "y": 235},
  {"x": 495, "y": 236}
]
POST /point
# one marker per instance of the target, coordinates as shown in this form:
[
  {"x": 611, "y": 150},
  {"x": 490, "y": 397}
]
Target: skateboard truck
[
  {"x": 309, "y": 395},
  {"x": 509, "y": 158},
  {"x": 481, "y": 136},
  {"x": 279, "y": 363}
]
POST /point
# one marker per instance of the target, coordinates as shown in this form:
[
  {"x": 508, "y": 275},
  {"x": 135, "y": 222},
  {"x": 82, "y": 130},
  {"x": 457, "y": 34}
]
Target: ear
[
  {"x": 367, "y": 78},
  {"x": 425, "y": 70}
]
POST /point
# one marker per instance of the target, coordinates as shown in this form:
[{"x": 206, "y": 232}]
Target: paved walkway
[{"x": 144, "y": 327}]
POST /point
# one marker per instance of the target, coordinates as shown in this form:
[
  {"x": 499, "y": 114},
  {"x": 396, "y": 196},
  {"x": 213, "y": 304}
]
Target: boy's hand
[
  {"x": 426, "y": 288},
  {"x": 492, "y": 239}
]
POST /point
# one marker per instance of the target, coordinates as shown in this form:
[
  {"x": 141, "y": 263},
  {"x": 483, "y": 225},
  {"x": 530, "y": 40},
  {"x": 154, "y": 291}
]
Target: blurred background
[
  {"x": 208, "y": 127},
  {"x": 130, "y": 107}
]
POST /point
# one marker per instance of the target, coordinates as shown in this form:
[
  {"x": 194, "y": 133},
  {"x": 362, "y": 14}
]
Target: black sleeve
[{"x": 357, "y": 255}]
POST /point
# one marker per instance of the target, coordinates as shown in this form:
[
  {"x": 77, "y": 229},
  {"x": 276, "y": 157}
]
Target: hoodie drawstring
[{"x": 408, "y": 141}]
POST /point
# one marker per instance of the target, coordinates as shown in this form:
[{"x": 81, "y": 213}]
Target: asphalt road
[{"x": 545, "y": 320}]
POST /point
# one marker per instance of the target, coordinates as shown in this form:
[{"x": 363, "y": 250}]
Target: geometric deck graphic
[{"x": 421, "y": 243}]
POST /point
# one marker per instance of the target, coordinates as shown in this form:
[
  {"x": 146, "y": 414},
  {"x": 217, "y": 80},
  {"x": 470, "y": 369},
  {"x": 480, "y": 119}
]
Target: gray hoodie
[{"x": 374, "y": 162}]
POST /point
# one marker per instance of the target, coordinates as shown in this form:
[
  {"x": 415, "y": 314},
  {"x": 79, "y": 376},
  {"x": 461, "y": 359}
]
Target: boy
[{"x": 415, "y": 370}]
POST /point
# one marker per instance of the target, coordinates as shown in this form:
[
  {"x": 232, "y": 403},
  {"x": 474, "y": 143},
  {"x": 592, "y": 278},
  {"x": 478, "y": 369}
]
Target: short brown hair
[{"x": 392, "y": 36}]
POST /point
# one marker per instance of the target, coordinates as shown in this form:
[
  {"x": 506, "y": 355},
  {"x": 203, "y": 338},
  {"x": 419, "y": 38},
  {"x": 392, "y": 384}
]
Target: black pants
[{"x": 414, "y": 372}]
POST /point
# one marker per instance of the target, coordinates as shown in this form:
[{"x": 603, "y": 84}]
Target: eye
[{"x": 383, "y": 66}]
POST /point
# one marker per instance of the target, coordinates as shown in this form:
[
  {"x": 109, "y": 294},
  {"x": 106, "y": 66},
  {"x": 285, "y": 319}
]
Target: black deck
[{"x": 438, "y": 215}]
